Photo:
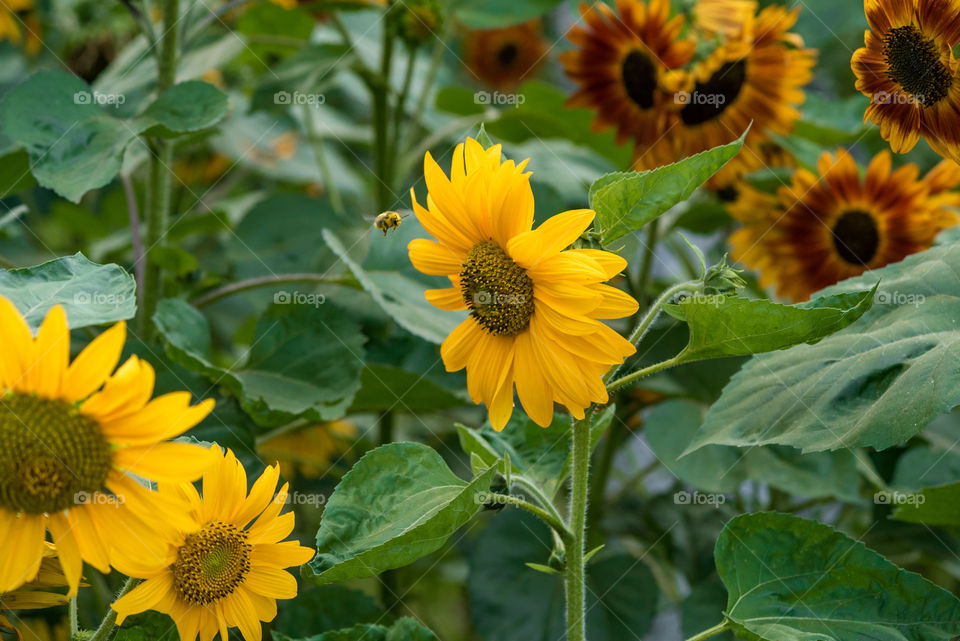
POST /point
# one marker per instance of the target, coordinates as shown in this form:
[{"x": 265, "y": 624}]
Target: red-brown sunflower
[
  {"x": 909, "y": 72},
  {"x": 504, "y": 58},
  {"x": 621, "y": 64}
]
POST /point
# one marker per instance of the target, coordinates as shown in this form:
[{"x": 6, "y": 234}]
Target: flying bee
[{"x": 388, "y": 220}]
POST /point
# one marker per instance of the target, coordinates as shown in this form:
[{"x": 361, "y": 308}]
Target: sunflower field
[{"x": 479, "y": 320}]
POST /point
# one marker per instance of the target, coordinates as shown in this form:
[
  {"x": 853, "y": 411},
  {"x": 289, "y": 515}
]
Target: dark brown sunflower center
[
  {"x": 496, "y": 290},
  {"x": 856, "y": 237},
  {"x": 211, "y": 563},
  {"x": 507, "y": 54},
  {"x": 711, "y": 98},
  {"x": 639, "y": 78},
  {"x": 913, "y": 62},
  {"x": 51, "y": 456}
]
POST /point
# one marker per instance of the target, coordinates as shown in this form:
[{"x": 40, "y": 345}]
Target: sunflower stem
[
  {"x": 381, "y": 118},
  {"x": 74, "y": 619},
  {"x": 536, "y": 510},
  {"x": 711, "y": 632},
  {"x": 110, "y": 618},
  {"x": 633, "y": 377},
  {"x": 158, "y": 187},
  {"x": 574, "y": 583}
]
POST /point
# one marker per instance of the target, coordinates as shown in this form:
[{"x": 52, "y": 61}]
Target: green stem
[
  {"x": 537, "y": 511},
  {"x": 74, "y": 619},
  {"x": 538, "y": 494},
  {"x": 109, "y": 620},
  {"x": 574, "y": 576},
  {"x": 161, "y": 161},
  {"x": 381, "y": 119},
  {"x": 711, "y": 632},
  {"x": 646, "y": 267},
  {"x": 615, "y": 437},
  {"x": 633, "y": 377},
  {"x": 421, "y": 104},
  {"x": 316, "y": 143}
]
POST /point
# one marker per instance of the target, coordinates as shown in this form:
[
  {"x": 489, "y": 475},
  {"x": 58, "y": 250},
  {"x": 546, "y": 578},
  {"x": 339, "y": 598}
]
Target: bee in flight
[{"x": 388, "y": 220}]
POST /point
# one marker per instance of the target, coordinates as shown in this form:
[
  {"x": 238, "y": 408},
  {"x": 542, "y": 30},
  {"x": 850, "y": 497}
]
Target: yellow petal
[
  {"x": 143, "y": 597},
  {"x": 94, "y": 364},
  {"x": 165, "y": 461},
  {"x": 433, "y": 258},
  {"x": 51, "y": 355},
  {"x": 17, "y": 346}
]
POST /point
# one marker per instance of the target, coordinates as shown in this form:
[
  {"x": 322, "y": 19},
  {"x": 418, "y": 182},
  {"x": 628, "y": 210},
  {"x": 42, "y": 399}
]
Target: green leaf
[
  {"x": 305, "y": 361},
  {"x": 405, "y": 629},
  {"x": 188, "y": 106},
  {"x": 509, "y": 600},
  {"x": 875, "y": 384},
  {"x": 75, "y": 144},
  {"x": 938, "y": 505},
  {"x": 790, "y": 579},
  {"x": 400, "y": 502},
  {"x": 400, "y": 297},
  {"x": 385, "y": 387},
  {"x": 483, "y": 137},
  {"x": 15, "y": 176},
  {"x": 148, "y": 626},
  {"x": 90, "y": 294},
  {"x": 491, "y": 14},
  {"x": 626, "y": 201},
  {"x": 322, "y": 608},
  {"x": 722, "y": 326}
]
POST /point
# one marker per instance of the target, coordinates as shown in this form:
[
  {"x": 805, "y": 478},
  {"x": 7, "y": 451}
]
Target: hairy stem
[
  {"x": 110, "y": 619},
  {"x": 574, "y": 575}
]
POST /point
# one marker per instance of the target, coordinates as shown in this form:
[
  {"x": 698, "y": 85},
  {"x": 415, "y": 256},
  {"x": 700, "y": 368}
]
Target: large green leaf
[
  {"x": 875, "y": 384},
  {"x": 401, "y": 297},
  {"x": 75, "y": 144},
  {"x": 722, "y": 326},
  {"x": 670, "y": 427},
  {"x": 405, "y": 629},
  {"x": 626, "y": 201},
  {"x": 791, "y": 579},
  {"x": 90, "y": 294},
  {"x": 511, "y": 601},
  {"x": 305, "y": 361},
  {"x": 399, "y": 503}
]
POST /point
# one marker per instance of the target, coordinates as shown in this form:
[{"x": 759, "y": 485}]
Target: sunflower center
[
  {"x": 211, "y": 563},
  {"x": 507, "y": 54},
  {"x": 51, "y": 456},
  {"x": 856, "y": 237},
  {"x": 913, "y": 62},
  {"x": 496, "y": 290},
  {"x": 639, "y": 78},
  {"x": 709, "y": 99}
]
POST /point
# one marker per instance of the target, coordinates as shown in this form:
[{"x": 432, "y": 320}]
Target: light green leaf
[
  {"x": 938, "y": 505},
  {"x": 399, "y": 503},
  {"x": 90, "y": 294},
  {"x": 874, "y": 384},
  {"x": 722, "y": 326},
  {"x": 626, "y": 201},
  {"x": 401, "y": 297},
  {"x": 790, "y": 579},
  {"x": 188, "y": 106}
]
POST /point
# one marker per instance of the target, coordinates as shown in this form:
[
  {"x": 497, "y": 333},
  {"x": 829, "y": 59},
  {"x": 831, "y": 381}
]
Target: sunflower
[
  {"x": 621, "y": 64},
  {"x": 909, "y": 72},
  {"x": 534, "y": 305},
  {"x": 823, "y": 229},
  {"x": 756, "y": 77},
  {"x": 69, "y": 435},
  {"x": 17, "y": 19},
  {"x": 504, "y": 58},
  {"x": 226, "y": 568},
  {"x": 310, "y": 451}
]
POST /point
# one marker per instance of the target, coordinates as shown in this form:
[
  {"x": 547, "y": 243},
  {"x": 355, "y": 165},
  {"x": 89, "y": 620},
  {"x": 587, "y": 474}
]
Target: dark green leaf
[
  {"x": 790, "y": 579},
  {"x": 938, "y": 505},
  {"x": 399, "y": 503},
  {"x": 384, "y": 387},
  {"x": 188, "y": 106}
]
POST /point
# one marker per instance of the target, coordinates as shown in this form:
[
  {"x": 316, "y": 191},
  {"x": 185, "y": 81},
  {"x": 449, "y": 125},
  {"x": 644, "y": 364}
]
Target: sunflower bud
[
  {"x": 722, "y": 279},
  {"x": 419, "y": 20}
]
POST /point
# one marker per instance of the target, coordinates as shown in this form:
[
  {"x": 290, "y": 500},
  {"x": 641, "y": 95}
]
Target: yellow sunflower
[
  {"x": 534, "y": 304},
  {"x": 226, "y": 569},
  {"x": 17, "y": 19},
  {"x": 621, "y": 63},
  {"x": 823, "y": 229},
  {"x": 70, "y": 435},
  {"x": 756, "y": 77},
  {"x": 310, "y": 451},
  {"x": 909, "y": 72},
  {"x": 504, "y": 58},
  {"x": 36, "y": 594}
]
